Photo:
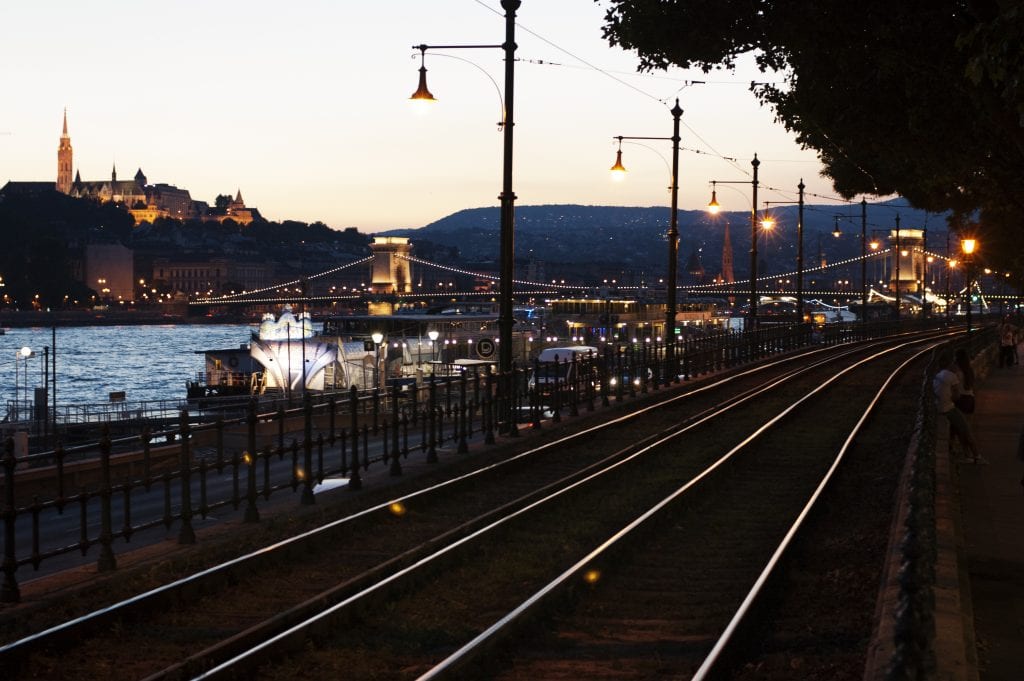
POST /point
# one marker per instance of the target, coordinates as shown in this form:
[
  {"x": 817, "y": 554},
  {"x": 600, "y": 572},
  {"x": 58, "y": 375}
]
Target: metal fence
[{"x": 245, "y": 455}]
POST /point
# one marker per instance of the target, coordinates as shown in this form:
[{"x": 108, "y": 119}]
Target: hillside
[{"x": 630, "y": 238}]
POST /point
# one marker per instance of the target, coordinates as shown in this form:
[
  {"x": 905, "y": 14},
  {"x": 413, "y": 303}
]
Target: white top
[{"x": 946, "y": 385}]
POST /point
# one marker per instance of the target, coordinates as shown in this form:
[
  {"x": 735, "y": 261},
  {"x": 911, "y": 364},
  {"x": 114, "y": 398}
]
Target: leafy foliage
[{"x": 923, "y": 98}]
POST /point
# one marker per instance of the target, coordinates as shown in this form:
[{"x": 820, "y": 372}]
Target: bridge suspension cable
[
  {"x": 236, "y": 296},
  {"x": 492, "y": 279}
]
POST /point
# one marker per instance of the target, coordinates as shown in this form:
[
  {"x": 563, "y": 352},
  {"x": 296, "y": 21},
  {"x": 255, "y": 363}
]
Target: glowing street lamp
[
  {"x": 969, "y": 246},
  {"x": 714, "y": 207},
  {"x": 618, "y": 173},
  {"x": 21, "y": 355},
  {"x": 377, "y": 338},
  {"x": 506, "y": 318},
  {"x": 432, "y": 335}
]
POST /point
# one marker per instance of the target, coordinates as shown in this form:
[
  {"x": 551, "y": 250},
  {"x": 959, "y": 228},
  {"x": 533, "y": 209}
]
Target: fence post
[
  {"x": 280, "y": 430},
  {"x": 644, "y": 366},
  {"x": 574, "y": 387},
  {"x": 220, "y": 443},
  {"x": 252, "y": 514},
  {"x": 355, "y": 481},
  {"x": 535, "y": 396},
  {"x": 376, "y": 409},
  {"x": 307, "y": 451},
  {"x": 603, "y": 373},
  {"x": 487, "y": 410},
  {"x": 514, "y": 397},
  {"x": 106, "y": 561},
  {"x": 432, "y": 422},
  {"x": 591, "y": 364},
  {"x": 332, "y": 404},
  {"x": 9, "y": 591},
  {"x": 186, "y": 535},
  {"x": 556, "y": 391},
  {"x": 396, "y": 466},
  {"x": 147, "y": 475},
  {"x": 463, "y": 413}
]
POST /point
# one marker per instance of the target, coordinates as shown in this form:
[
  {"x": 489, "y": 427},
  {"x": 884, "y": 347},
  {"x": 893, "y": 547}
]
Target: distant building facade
[
  {"x": 218, "y": 276},
  {"x": 110, "y": 271},
  {"x": 144, "y": 201}
]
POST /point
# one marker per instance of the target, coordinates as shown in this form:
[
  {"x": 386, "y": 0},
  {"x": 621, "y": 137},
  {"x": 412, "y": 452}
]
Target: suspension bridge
[{"x": 387, "y": 277}]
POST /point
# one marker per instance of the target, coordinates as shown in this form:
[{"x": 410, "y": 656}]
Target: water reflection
[{"x": 146, "y": 362}]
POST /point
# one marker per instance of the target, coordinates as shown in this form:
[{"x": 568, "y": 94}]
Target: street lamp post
[
  {"x": 713, "y": 206},
  {"x": 799, "y": 246},
  {"x": 863, "y": 261},
  {"x": 378, "y": 338},
  {"x": 673, "y": 231},
  {"x": 507, "y": 196},
  {"x": 897, "y": 255},
  {"x": 950, "y": 264},
  {"x": 432, "y": 335},
  {"x": 863, "y": 254},
  {"x": 968, "y": 246},
  {"x": 21, "y": 355}
]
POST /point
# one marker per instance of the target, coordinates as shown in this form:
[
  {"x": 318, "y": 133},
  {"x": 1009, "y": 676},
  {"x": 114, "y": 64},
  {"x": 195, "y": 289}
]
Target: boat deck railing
[{"x": 200, "y": 410}]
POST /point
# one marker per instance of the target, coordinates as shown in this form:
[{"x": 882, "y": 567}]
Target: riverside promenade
[{"x": 991, "y": 508}]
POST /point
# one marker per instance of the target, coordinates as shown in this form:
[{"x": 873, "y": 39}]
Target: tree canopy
[{"x": 922, "y": 98}]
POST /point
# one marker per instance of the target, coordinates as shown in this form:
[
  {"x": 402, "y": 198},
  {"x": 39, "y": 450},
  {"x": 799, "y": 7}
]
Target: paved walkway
[{"x": 992, "y": 526}]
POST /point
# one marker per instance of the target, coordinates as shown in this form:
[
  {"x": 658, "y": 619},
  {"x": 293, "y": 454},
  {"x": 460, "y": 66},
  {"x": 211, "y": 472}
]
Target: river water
[{"x": 146, "y": 362}]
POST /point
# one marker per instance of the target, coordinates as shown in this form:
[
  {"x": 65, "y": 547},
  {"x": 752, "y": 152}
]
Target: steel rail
[
  {"x": 707, "y": 668},
  {"x": 244, "y": 660},
  {"x": 68, "y": 628},
  {"x": 467, "y": 653}
]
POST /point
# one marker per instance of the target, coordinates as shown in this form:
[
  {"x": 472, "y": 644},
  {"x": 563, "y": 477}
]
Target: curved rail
[
  {"x": 467, "y": 653},
  {"x": 138, "y": 601}
]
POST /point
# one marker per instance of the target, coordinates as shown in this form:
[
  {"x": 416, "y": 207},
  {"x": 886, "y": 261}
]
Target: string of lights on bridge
[
  {"x": 247, "y": 295},
  {"x": 456, "y": 270},
  {"x": 537, "y": 288}
]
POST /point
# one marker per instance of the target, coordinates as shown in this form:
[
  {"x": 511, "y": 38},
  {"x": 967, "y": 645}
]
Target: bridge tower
[
  {"x": 391, "y": 273},
  {"x": 908, "y": 246}
]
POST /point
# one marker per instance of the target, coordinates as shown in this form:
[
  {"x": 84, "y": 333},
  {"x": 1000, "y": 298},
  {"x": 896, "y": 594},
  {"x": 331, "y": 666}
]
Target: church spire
[
  {"x": 64, "y": 159},
  {"x": 727, "y": 274}
]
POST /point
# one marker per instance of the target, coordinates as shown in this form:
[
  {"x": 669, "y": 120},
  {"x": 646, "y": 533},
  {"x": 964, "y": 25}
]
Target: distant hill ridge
[{"x": 634, "y": 237}]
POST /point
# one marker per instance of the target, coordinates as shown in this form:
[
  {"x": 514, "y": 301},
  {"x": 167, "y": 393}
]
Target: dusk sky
[{"x": 303, "y": 106}]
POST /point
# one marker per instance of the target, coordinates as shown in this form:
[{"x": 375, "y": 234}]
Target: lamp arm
[
  {"x": 501, "y": 99},
  {"x": 728, "y": 182},
  {"x": 632, "y": 140}
]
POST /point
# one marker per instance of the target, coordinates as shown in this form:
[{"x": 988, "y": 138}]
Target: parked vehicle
[{"x": 571, "y": 369}]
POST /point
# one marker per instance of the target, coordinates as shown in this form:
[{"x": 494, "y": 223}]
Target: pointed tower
[
  {"x": 727, "y": 275},
  {"x": 64, "y": 160},
  {"x": 113, "y": 174}
]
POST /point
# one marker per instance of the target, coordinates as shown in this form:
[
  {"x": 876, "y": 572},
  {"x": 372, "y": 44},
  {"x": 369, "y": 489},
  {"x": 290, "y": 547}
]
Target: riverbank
[{"x": 117, "y": 317}]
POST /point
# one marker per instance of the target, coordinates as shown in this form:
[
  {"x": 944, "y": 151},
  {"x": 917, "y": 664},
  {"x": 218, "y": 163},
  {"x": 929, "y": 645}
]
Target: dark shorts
[{"x": 958, "y": 424}]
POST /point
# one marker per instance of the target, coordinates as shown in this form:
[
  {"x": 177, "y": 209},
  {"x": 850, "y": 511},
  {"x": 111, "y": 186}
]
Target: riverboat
[
  {"x": 284, "y": 356},
  {"x": 381, "y": 349},
  {"x": 226, "y": 372}
]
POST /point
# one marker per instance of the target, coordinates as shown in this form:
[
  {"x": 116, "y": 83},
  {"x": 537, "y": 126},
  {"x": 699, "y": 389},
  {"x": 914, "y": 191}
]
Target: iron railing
[{"x": 243, "y": 456}]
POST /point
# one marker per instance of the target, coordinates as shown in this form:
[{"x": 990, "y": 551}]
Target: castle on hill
[{"x": 146, "y": 202}]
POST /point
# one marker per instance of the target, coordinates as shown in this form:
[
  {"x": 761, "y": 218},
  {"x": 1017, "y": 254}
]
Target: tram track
[{"x": 385, "y": 540}]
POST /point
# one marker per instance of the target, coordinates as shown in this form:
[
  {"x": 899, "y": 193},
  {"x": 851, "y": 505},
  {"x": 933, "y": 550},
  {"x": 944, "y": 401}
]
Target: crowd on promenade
[{"x": 954, "y": 386}]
